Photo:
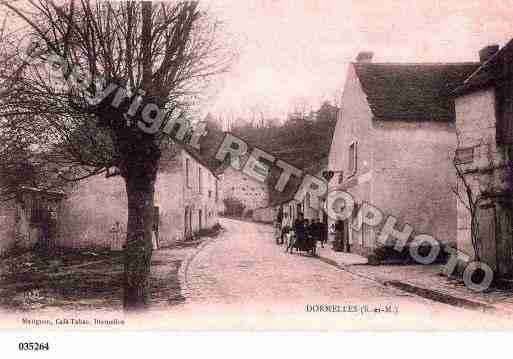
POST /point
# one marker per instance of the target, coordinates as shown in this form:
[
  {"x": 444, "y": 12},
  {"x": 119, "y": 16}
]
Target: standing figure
[
  {"x": 300, "y": 230},
  {"x": 316, "y": 230},
  {"x": 285, "y": 227},
  {"x": 323, "y": 229},
  {"x": 278, "y": 235}
]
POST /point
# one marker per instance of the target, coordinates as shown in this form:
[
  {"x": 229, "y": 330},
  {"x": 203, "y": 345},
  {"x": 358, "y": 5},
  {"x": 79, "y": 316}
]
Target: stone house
[
  {"x": 250, "y": 192},
  {"x": 94, "y": 214},
  {"x": 392, "y": 147},
  {"x": 201, "y": 194},
  {"x": 484, "y": 123}
]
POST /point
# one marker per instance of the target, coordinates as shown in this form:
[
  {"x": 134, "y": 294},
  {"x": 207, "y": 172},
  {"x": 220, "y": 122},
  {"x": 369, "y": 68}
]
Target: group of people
[{"x": 302, "y": 234}]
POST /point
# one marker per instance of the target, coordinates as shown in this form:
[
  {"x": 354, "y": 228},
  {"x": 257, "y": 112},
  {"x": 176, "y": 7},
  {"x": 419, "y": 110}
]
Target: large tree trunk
[
  {"x": 140, "y": 187},
  {"x": 138, "y": 244}
]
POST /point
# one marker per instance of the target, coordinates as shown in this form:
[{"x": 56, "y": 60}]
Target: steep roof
[
  {"x": 403, "y": 91},
  {"x": 488, "y": 73}
]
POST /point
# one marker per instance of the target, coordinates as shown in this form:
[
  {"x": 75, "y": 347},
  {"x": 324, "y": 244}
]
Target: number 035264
[{"x": 33, "y": 346}]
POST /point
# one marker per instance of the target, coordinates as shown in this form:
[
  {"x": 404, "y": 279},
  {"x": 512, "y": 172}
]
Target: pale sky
[{"x": 297, "y": 51}]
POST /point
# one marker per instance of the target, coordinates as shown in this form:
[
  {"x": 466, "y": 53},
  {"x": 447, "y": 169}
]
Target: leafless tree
[
  {"x": 469, "y": 195},
  {"x": 155, "y": 53},
  {"x": 470, "y": 200}
]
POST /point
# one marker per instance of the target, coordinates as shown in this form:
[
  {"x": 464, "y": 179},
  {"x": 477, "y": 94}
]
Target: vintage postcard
[{"x": 256, "y": 165}]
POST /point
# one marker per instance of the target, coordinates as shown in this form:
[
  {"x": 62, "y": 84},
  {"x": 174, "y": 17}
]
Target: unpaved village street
[{"x": 243, "y": 277}]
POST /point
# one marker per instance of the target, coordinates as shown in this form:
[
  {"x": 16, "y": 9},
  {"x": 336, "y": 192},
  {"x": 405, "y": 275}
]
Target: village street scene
[{"x": 153, "y": 163}]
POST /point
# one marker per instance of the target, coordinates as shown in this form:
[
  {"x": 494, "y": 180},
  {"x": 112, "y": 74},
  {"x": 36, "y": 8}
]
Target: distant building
[
  {"x": 392, "y": 146},
  {"x": 484, "y": 122},
  {"x": 250, "y": 192}
]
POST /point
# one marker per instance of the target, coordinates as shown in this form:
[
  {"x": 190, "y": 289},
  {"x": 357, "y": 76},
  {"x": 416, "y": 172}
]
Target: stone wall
[
  {"x": 414, "y": 177},
  {"x": 475, "y": 122},
  {"x": 169, "y": 199},
  {"x": 90, "y": 211},
  {"x": 200, "y": 201}
]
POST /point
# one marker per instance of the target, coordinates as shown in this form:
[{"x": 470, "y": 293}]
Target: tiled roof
[
  {"x": 486, "y": 74},
  {"x": 412, "y": 91}
]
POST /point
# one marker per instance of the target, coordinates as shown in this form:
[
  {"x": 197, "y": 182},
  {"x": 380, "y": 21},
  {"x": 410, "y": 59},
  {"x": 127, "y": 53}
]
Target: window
[
  {"x": 352, "y": 159},
  {"x": 217, "y": 190},
  {"x": 187, "y": 172},
  {"x": 464, "y": 155},
  {"x": 199, "y": 180}
]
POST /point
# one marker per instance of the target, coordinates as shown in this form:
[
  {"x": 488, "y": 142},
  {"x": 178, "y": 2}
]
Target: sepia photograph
[{"x": 255, "y": 165}]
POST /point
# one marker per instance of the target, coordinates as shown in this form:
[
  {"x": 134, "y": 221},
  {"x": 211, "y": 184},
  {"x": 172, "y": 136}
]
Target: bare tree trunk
[
  {"x": 140, "y": 188},
  {"x": 138, "y": 249}
]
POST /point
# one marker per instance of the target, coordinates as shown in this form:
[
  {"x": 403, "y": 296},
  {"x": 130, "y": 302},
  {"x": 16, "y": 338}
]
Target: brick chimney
[
  {"x": 364, "y": 56},
  {"x": 488, "y": 51}
]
